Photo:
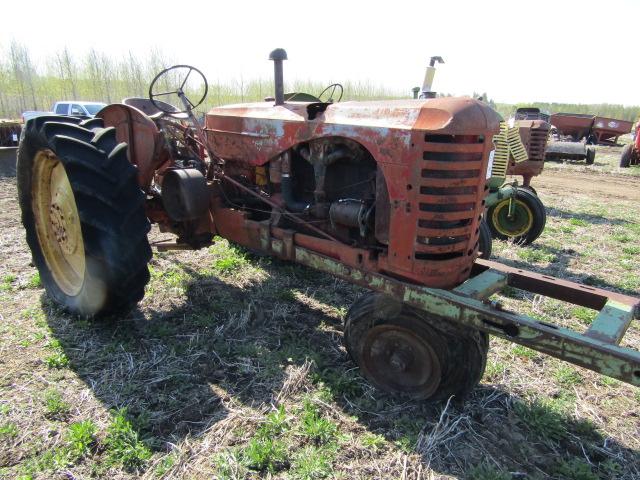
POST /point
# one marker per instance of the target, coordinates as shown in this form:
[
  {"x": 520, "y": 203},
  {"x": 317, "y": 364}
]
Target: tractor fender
[
  {"x": 505, "y": 191},
  {"x": 141, "y": 134}
]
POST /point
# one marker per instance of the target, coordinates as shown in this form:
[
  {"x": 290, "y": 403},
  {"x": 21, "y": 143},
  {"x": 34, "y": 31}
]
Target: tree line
[{"x": 96, "y": 76}]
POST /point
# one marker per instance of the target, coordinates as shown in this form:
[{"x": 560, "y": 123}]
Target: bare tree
[{"x": 68, "y": 70}]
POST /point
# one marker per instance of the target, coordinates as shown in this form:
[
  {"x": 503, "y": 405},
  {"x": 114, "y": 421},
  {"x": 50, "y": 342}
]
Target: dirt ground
[
  {"x": 233, "y": 367},
  {"x": 601, "y": 186}
]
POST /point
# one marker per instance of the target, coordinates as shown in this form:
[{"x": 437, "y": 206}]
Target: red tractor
[
  {"x": 631, "y": 152},
  {"x": 388, "y": 195}
]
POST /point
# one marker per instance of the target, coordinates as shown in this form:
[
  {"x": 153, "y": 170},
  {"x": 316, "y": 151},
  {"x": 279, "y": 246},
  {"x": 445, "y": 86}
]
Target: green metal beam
[
  {"x": 483, "y": 285},
  {"x": 612, "y": 322},
  {"x": 592, "y": 353}
]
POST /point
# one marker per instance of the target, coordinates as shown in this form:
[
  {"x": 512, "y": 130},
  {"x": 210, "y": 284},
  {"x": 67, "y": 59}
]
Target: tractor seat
[{"x": 146, "y": 106}]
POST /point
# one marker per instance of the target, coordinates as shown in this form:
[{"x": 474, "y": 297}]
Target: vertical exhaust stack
[
  {"x": 428, "y": 78},
  {"x": 278, "y": 55}
]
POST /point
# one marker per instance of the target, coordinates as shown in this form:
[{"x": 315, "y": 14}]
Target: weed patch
[
  {"x": 123, "y": 447},
  {"x": 55, "y": 406}
]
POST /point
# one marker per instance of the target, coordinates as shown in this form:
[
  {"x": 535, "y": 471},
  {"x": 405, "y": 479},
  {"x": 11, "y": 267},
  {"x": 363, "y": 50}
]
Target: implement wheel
[
  {"x": 527, "y": 222},
  {"x": 83, "y": 213},
  {"x": 402, "y": 350},
  {"x": 591, "y": 156}
]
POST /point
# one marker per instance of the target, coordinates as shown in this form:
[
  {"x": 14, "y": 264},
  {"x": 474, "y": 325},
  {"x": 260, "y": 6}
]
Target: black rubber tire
[
  {"x": 626, "y": 156},
  {"x": 110, "y": 207},
  {"x": 485, "y": 240},
  {"x": 461, "y": 352},
  {"x": 591, "y": 156},
  {"x": 530, "y": 188},
  {"x": 539, "y": 218}
]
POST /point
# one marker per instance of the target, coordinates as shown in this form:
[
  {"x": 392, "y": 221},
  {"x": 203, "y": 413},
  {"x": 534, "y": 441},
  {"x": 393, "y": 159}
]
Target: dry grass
[{"x": 233, "y": 367}]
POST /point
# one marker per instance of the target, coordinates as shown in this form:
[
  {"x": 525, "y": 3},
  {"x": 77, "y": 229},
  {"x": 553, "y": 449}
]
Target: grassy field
[{"x": 233, "y": 367}]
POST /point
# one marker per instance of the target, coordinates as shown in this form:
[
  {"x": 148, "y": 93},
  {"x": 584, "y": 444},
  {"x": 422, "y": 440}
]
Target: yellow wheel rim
[
  {"x": 57, "y": 222},
  {"x": 515, "y": 226}
]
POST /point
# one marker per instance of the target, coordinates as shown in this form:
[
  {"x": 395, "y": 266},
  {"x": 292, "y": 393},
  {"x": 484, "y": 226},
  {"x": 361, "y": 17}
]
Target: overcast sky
[{"x": 540, "y": 50}]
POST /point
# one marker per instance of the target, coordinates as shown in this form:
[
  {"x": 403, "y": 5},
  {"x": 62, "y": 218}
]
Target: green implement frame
[{"x": 469, "y": 305}]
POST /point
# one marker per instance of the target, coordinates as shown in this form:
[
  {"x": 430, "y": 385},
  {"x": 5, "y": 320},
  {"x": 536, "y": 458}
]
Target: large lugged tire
[
  {"x": 528, "y": 220},
  {"x": 627, "y": 156},
  {"x": 83, "y": 213},
  {"x": 405, "y": 351}
]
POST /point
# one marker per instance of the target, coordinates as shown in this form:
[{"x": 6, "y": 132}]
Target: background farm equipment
[
  {"x": 571, "y": 133},
  {"x": 559, "y": 150},
  {"x": 631, "y": 152},
  {"x": 9, "y": 137},
  {"x": 575, "y": 126},
  {"x": 606, "y": 131},
  {"x": 387, "y": 195},
  {"x": 10, "y": 133},
  {"x": 574, "y": 131},
  {"x": 516, "y": 212}
]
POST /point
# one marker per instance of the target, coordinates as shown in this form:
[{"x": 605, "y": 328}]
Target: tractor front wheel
[
  {"x": 405, "y": 351},
  {"x": 83, "y": 213},
  {"x": 627, "y": 156},
  {"x": 591, "y": 155},
  {"x": 524, "y": 225},
  {"x": 484, "y": 241}
]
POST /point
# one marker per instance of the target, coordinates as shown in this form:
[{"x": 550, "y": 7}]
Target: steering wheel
[
  {"x": 333, "y": 87},
  {"x": 180, "y": 76}
]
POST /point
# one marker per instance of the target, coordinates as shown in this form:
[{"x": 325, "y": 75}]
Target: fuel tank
[{"x": 432, "y": 158}]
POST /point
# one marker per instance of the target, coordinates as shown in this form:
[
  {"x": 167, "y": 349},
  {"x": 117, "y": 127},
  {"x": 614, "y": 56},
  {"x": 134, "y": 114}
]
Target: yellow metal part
[
  {"x": 261, "y": 176},
  {"x": 57, "y": 222},
  {"x": 512, "y": 220},
  {"x": 508, "y": 145}
]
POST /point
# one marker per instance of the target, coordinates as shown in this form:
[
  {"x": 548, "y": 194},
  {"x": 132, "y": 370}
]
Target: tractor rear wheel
[
  {"x": 406, "y": 351},
  {"x": 83, "y": 213},
  {"x": 591, "y": 155},
  {"x": 485, "y": 240},
  {"x": 525, "y": 225},
  {"x": 626, "y": 158}
]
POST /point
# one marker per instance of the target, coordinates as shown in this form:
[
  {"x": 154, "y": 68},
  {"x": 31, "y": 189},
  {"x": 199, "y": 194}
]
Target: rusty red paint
[
  {"x": 534, "y": 135},
  {"x": 432, "y": 156},
  {"x": 576, "y": 125},
  {"x": 607, "y": 130},
  {"x": 583, "y": 295},
  {"x": 141, "y": 134}
]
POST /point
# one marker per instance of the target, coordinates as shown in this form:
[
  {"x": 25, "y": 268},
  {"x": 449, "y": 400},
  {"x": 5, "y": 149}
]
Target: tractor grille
[
  {"x": 451, "y": 183},
  {"x": 538, "y": 141}
]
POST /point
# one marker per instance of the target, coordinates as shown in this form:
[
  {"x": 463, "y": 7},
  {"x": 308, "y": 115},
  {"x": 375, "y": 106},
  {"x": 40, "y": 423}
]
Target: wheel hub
[
  {"x": 61, "y": 214},
  {"x": 515, "y": 225},
  {"x": 57, "y": 222},
  {"x": 397, "y": 359}
]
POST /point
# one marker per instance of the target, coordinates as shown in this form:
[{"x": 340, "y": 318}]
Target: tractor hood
[{"x": 260, "y": 131}]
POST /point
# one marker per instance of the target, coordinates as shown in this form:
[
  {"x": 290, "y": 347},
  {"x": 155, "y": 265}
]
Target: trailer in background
[
  {"x": 574, "y": 125},
  {"x": 595, "y": 129},
  {"x": 606, "y": 131}
]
